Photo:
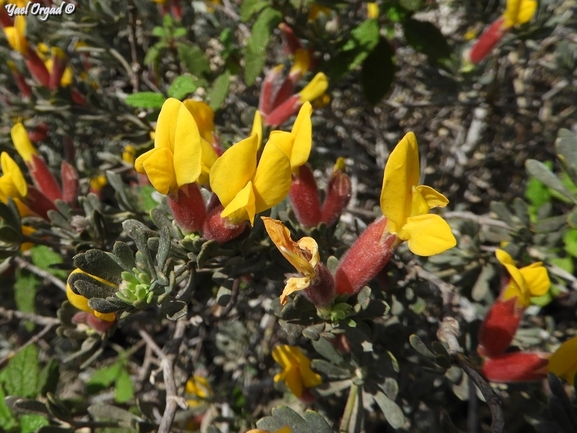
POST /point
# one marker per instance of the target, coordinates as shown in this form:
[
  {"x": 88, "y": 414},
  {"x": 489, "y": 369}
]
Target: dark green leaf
[
  {"x": 327, "y": 350},
  {"x": 566, "y": 147},
  {"x": 31, "y": 423},
  {"x": 541, "y": 172},
  {"x": 123, "y": 392},
  {"x": 99, "y": 264},
  {"x": 145, "y": 100},
  {"x": 570, "y": 241},
  {"x": 194, "y": 59},
  {"x": 536, "y": 192},
  {"x": 182, "y": 86},
  {"x": 377, "y": 72},
  {"x": 250, "y": 7},
  {"x": 48, "y": 377},
  {"x": 261, "y": 31},
  {"x": 10, "y": 235},
  {"x": 175, "y": 309},
  {"x": 219, "y": 90},
  {"x": 329, "y": 369},
  {"x": 25, "y": 289},
  {"x": 390, "y": 409},
  {"x": 426, "y": 38},
  {"x": 21, "y": 374},
  {"x": 105, "y": 376},
  {"x": 420, "y": 347}
]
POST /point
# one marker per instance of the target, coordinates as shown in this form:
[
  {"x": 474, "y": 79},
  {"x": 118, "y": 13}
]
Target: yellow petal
[
  {"x": 302, "y": 131},
  {"x": 419, "y": 205},
  {"x": 301, "y": 61},
  {"x": 428, "y": 235},
  {"x": 504, "y": 257},
  {"x": 272, "y": 179},
  {"x": 203, "y": 116},
  {"x": 187, "y": 148},
  {"x": 294, "y": 284},
  {"x": 107, "y": 317},
  {"x": 22, "y": 143},
  {"x": 432, "y": 197},
  {"x": 208, "y": 159},
  {"x": 310, "y": 245},
  {"x": 294, "y": 381},
  {"x": 563, "y": 363},
  {"x": 315, "y": 88},
  {"x": 234, "y": 169},
  {"x": 241, "y": 207},
  {"x": 166, "y": 124},
  {"x": 372, "y": 10},
  {"x": 257, "y": 127},
  {"x": 519, "y": 12},
  {"x": 401, "y": 174},
  {"x": 537, "y": 279},
  {"x": 159, "y": 169},
  {"x": 14, "y": 184}
]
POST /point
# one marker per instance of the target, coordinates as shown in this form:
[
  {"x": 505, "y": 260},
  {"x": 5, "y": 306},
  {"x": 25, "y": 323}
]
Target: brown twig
[
  {"x": 40, "y": 272},
  {"x": 135, "y": 77},
  {"x": 32, "y": 317},
  {"x": 32, "y": 340}
]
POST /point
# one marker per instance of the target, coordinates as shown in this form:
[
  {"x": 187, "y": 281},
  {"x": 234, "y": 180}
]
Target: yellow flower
[
  {"x": 15, "y": 35},
  {"x": 372, "y": 10},
  {"x": 22, "y": 143},
  {"x": 563, "y": 362},
  {"x": 12, "y": 182},
  {"x": 98, "y": 182},
  {"x": 303, "y": 255},
  {"x": 203, "y": 116},
  {"x": 297, "y": 373},
  {"x": 66, "y": 79},
  {"x": 297, "y": 143},
  {"x": 81, "y": 302},
  {"x": 532, "y": 280},
  {"x": 246, "y": 188},
  {"x": 301, "y": 62},
  {"x": 519, "y": 12},
  {"x": 406, "y": 204},
  {"x": 179, "y": 156},
  {"x": 317, "y": 86},
  {"x": 257, "y": 127},
  {"x": 128, "y": 154},
  {"x": 199, "y": 387}
]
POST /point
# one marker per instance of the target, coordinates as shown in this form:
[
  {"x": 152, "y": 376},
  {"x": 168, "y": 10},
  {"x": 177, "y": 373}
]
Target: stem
[{"x": 349, "y": 409}]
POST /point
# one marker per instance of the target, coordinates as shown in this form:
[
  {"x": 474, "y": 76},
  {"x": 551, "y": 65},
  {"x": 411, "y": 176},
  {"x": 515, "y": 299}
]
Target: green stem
[{"x": 349, "y": 409}]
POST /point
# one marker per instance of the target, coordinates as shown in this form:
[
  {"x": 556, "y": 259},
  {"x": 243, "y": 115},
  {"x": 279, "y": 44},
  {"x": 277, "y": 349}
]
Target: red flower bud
[
  {"x": 366, "y": 257},
  {"x": 221, "y": 229},
  {"x": 284, "y": 111},
  {"x": 499, "y": 328},
  {"x": 38, "y": 202},
  {"x": 44, "y": 179},
  {"x": 37, "y": 68},
  {"x": 70, "y": 184},
  {"x": 39, "y": 132},
  {"x": 487, "y": 41},
  {"x": 304, "y": 196},
  {"x": 272, "y": 82},
  {"x": 338, "y": 194},
  {"x": 59, "y": 62},
  {"x": 516, "y": 367},
  {"x": 188, "y": 208},
  {"x": 290, "y": 42}
]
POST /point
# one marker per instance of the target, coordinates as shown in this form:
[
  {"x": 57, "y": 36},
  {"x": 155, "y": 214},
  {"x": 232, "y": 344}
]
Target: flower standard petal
[
  {"x": 234, "y": 169},
  {"x": 203, "y": 117},
  {"x": 537, "y": 279},
  {"x": 166, "y": 124},
  {"x": 22, "y": 143},
  {"x": 272, "y": 179},
  {"x": 428, "y": 235},
  {"x": 302, "y": 132},
  {"x": 14, "y": 184},
  {"x": 401, "y": 174},
  {"x": 187, "y": 148}
]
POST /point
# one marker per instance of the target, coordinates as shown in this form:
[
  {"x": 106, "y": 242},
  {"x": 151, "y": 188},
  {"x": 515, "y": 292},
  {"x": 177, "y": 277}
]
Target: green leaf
[
  {"x": 377, "y": 72},
  {"x": 145, "y": 100},
  {"x": 540, "y": 171},
  {"x": 147, "y": 201},
  {"x": 182, "y": 86},
  {"x": 7, "y": 421},
  {"x": 193, "y": 59},
  {"x": 259, "y": 39},
  {"x": 250, "y": 7},
  {"x": 566, "y": 147},
  {"x": 10, "y": 235},
  {"x": 21, "y": 375},
  {"x": 219, "y": 90},
  {"x": 327, "y": 350},
  {"x": 390, "y": 409},
  {"x": 159, "y": 32},
  {"x": 329, "y": 369},
  {"x": 104, "y": 377},
  {"x": 570, "y": 241},
  {"x": 123, "y": 391},
  {"x": 536, "y": 192},
  {"x": 31, "y": 423},
  {"x": 427, "y": 39},
  {"x": 421, "y": 347},
  {"x": 48, "y": 377},
  {"x": 411, "y": 5},
  {"x": 45, "y": 257},
  {"x": 25, "y": 289},
  {"x": 283, "y": 416}
]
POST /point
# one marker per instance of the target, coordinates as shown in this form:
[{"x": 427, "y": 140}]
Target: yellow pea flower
[
  {"x": 22, "y": 143},
  {"x": 406, "y": 204},
  {"x": 296, "y": 144},
  {"x": 285, "y": 429},
  {"x": 372, "y": 10},
  {"x": 303, "y": 255},
  {"x": 519, "y": 12},
  {"x": 16, "y": 35},
  {"x": 81, "y": 302},
  {"x": 128, "y": 154},
  {"x": 563, "y": 362},
  {"x": 257, "y": 127},
  {"x": 532, "y": 280},
  {"x": 12, "y": 182},
  {"x": 315, "y": 88},
  {"x": 66, "y": 79},
  {"x": 179, "y": 156},
  {"x": 297, "y": 373},
  {"x": 246, "y": 188},
  {"x": 199, "y": 387},
  {"x": 203, "y": 116}
]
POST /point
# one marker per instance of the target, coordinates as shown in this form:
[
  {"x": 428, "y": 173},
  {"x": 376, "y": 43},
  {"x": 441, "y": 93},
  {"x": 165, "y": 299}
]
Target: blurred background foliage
[{"x": 498, "y": 139}]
